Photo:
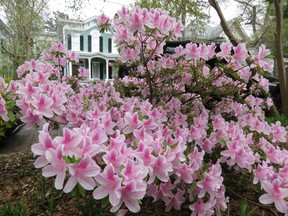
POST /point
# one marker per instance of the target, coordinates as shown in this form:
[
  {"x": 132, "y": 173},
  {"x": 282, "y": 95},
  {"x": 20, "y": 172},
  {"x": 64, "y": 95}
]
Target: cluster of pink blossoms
[
  {"x": 182, "y": 126},
  {"x": 6, "y": 94},
  {"x": 3, "y": 110}
]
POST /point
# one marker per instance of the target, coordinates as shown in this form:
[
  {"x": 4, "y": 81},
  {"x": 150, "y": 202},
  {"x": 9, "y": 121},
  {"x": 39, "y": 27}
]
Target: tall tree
[
  {"x": 186, "y": 11},
  {"x": 278, "y": 4},
  {"x": 25, "y": 22},
  {"x": 235, "y": 42},
  {"x": 54, "y": 24},
  {"x": 253, "y": 12}
]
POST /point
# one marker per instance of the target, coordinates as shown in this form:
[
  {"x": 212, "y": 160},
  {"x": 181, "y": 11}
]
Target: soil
[{"x": 23, "y": 187}]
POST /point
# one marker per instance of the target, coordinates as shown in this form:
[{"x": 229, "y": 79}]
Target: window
[
  {"x": 110, "y": 72},
  {"x": 89, "y": 43},
  {"x": 69, "y": 42},
  {"x": 109, "y": 45},
  {"x": 81, "y": 43},
  {"x": 101, "y": 43}
]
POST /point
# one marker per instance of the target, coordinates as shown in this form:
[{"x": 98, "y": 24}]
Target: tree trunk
[
  {"x": 280, "y": 56},
  {"x": 254, "y": 20},
  {"x": 235, "y": 42},
  {"x": 223, "y": 22}
]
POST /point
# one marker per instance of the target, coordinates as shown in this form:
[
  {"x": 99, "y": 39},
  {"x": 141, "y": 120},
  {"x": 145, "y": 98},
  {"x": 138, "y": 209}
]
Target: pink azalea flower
[
  {"x": 82, "y": 172},
  {"x": 26, "y": 89},
  {"x": 129, "y": 54},
  {"x": 109, "y": 184},
  {"x": 83, "y": 72},
  {"x": 262, "y": 61},
  {"x": 59, "y": 100},
  {"x": 225, "y": 50},
  {"x": 3, "y": 110},
  {"x": 165, "y": 190},
  {"x": 276, "y": 194},
  {"x": 42, "y": 105},
  {"x": 103, "y": 19},
  {"x": 114, "y": 158},
  {"x": 131, "y": 122},
  {"x": 262, "y": 172},
  {"x": 72, "y": 56},
  {"x": 192, "y": 51},
  {"x": 146, "y": 157},
  {"x": 131, "y": 193},
  {"x": 136, "y": 22},
  {"x": 184, "y": 173},
  {"x": 45, "y": 143},
  {"x": 240, "y": 54},
  {"x": 56, "y": 167},
  {"x": 31, "y": 119},
  {"x": 211, "y": 183},
  {"x": 122, "y": 34},
  {"x": 200, "y": 208},
  {"x": 160, "y": 169},
  {"x": 57, "y": 47},
  {"x": 206, "y": 71},
  {"x": 175, "y": 201},
  {"x": 69, "y": 142},
  {"x": 244, "y": 74},
  {"x": 2, "y": 84},
  {"x": 133, "y": 172},
  {"x": 187, "y": 78},
  {"x": 279, "y": 133}
]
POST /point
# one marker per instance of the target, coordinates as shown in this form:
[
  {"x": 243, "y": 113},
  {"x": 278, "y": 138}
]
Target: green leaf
[
  {"x": 71, "y": 160},
  {"x": 74, "y": 192},
  {"x": 105, "y": 202},
  {"x": 122, "y": 167},
  {"x": 128, "y": 136},
  {"x": 135, "y": 33},
  {"x": 140, "y": 117},
  {"x": 165, "y": 144},
  {"x": 11, "y": 116},
  {"x": 174, "y": 146},
  {"x": 81, "y": 190},
  {"x": 66, "y": 158},
  {"x": 134, "y": 144},
  {"x": 193, "y": 187}
]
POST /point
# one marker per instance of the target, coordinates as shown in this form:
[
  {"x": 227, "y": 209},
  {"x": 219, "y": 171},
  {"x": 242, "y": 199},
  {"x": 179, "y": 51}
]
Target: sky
[{"x": 110, "y": 7}]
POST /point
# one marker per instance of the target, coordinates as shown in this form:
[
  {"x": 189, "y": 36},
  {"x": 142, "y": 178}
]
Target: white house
[{"x": 96, "y": 50}]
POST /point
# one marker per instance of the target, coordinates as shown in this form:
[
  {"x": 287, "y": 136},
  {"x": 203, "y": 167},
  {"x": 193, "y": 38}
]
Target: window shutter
[
  {"x": 81, "y": 43},
  {"x": 101, "y": 43},
  {"x": 109, "y": 45},
  {"x": 89, "y": 43},
  {"x": 69, "y": 42}
]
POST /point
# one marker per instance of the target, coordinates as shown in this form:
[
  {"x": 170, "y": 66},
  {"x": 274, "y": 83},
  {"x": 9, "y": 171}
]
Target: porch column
[
  {"x": 89, "y": 68},
  {"x": 107, "y": 70},
  {"x": 70, "y": 69}
]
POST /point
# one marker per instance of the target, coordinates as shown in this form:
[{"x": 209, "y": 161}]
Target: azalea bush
[
  {"x": 173, "y": 129},
  {"x": 8, "y": 109}
]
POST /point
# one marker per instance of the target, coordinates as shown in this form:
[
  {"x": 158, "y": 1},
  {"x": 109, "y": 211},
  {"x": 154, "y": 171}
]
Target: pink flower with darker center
[
  {"x": 131, "y": 122},
  {"x": 42, "y": 105},
  {"x": 103, "y": 19},
  {"x": 276, "y": 194},
  {"x": 109, "y": 184},
  {"x": 3, "y": 110},
  {"x": 56, "y": 167},
  {"x": 82, "y": 172}
]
